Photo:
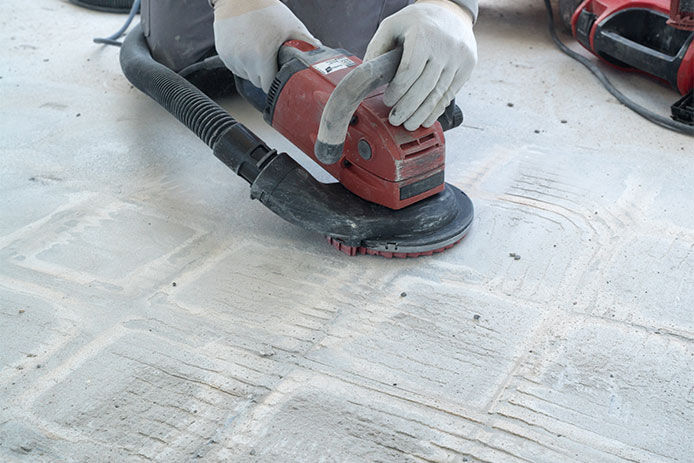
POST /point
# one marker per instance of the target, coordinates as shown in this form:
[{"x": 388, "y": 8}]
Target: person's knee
[{"x": 178, "y": 33}]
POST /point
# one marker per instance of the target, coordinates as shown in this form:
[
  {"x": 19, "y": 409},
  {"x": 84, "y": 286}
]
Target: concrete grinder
[
  {"x": 332, "y": 109},
  {"x": 391, "y": 199},
  {"x": 321, "y": 94}
]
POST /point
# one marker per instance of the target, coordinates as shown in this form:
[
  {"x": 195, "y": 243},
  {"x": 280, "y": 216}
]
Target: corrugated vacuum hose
[{"x": 108, "y": 6}]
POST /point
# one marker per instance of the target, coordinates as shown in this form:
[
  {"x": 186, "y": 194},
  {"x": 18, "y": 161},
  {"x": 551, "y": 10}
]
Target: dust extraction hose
[
  {"x": 108, "y": 6},
  {"x": 232, "y": 143},
  {"x": 178, "y": 96}
]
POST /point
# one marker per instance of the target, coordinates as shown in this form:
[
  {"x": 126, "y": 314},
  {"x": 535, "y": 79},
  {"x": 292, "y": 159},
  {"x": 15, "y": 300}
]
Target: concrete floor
[{"x": 149, "y": 310}]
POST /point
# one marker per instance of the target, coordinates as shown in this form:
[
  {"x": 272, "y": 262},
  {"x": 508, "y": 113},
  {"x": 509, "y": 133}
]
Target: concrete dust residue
[{"x": 150, "y": 311}]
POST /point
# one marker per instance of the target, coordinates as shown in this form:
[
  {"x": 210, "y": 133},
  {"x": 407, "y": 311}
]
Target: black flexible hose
[
  {"x": 106, "y": 6},
  {"x": 605, "y": 81},
  {"x": 178, "y": 96}
]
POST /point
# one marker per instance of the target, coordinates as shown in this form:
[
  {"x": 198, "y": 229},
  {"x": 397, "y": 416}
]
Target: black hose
[
  {"x": 605, "y": 81},
  {"x": 106, "y": 6},
  {"x": 232, "y": 143},
  {"x": 178, "y": 96}
]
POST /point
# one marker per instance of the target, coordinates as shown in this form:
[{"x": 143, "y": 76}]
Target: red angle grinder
[
  {"x": 655, "y": 37},
  {"x": 332, "y": 109},
  {"x": 391, "y": 199},
  {"x": 329, "y": 104}
]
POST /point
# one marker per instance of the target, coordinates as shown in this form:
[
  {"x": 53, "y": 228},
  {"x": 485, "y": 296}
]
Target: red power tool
[
  {"x": 331, "y": 107},
  {"x": 655, "y": 37}
]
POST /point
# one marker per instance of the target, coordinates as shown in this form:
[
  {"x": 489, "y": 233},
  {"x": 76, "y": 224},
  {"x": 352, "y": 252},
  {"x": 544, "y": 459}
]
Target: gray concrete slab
[{"x": 271, "y": 346}]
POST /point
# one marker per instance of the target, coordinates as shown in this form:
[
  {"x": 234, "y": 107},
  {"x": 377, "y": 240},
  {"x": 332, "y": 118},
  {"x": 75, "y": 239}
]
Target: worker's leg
[{"x": 180, "y": 32}]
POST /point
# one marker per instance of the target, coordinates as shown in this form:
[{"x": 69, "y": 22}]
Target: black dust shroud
[{"x": 351, "y": 224}]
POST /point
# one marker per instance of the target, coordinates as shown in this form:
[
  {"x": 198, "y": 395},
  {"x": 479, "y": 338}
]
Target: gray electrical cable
[{"x": 113, "y": 39}]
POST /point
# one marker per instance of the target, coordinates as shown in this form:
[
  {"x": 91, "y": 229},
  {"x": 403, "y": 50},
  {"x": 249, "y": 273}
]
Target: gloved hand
[
  {"x": 439, "y": 53},
  {"x": 249, "y": 33}
]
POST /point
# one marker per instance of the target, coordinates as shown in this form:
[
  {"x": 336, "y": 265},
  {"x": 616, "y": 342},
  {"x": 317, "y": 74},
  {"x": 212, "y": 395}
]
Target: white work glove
[
  {"x": 439, "y": 53},
  {"x": 249, "y": 33}
]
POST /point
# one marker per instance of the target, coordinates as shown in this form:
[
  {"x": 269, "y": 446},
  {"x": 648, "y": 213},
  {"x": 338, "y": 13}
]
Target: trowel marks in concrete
[{"x": 273, "y": 347}]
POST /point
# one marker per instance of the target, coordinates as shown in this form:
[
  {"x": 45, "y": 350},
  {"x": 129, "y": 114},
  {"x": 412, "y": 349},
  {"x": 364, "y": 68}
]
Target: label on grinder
[{"x": 335, "y": 64}]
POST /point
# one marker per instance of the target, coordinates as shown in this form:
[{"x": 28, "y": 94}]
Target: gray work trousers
[{"x": 180, "y": 32}]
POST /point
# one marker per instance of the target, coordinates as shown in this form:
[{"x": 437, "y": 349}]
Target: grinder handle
[
  {"x": 349, "y": 94},
  {"x": 345, "y": 100}
]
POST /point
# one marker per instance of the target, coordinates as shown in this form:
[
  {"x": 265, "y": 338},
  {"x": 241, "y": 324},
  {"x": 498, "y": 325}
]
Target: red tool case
[{"x": 641, "y": 35}]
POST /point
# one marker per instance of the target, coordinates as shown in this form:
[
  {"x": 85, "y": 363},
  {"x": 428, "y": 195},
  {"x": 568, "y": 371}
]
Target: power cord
[
  {"x": 113, "y": 39},
  {"x": 605, "y": 81}
]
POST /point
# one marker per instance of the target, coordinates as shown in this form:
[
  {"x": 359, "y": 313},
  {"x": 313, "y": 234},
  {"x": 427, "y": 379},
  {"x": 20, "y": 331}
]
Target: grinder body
[{"x": 380, "y": 163}]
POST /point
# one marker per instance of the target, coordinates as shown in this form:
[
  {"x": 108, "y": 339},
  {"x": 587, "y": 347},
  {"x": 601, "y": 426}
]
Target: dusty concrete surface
[{"x": 270, "y": 346}]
